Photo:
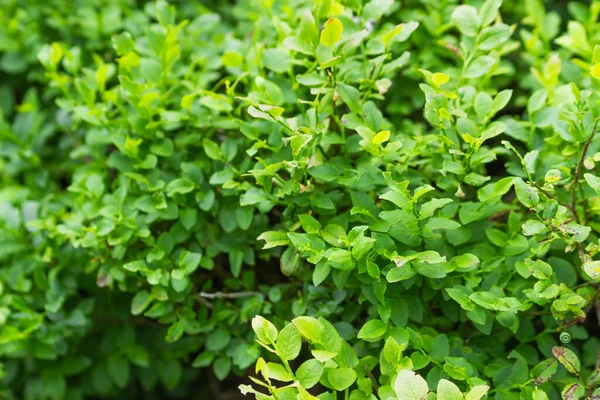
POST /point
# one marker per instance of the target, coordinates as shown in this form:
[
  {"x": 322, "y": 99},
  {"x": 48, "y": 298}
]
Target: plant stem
[
  {"x": 220, "y": 295},
  {"x": 578, "y": 169}
]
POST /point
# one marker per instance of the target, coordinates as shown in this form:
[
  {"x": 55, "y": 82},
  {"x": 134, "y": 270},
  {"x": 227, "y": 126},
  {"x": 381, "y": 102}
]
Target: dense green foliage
[{"x": 357, "y": 199}]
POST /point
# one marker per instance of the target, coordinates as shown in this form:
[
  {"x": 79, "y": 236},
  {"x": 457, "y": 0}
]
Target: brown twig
[
  {"x": 454, "y": 49},
  {"x": 578, "y": 169},
  {"x": 598, "y": 315},
  {"x": 372, "y": 377},
  {"x": 221, "y": 295}
]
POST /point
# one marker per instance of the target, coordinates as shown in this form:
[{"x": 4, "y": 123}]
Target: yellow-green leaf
[
  {"x": 147, "y": 99},
  {"x": 381, "y": 137},
  {"x": 388, "y": 37},
  {"x": 186, "y": 101},
  {"x": 332, "y": 32},
  {"x": 440, "y": 78},
  {"x": 595, "y": 71}
]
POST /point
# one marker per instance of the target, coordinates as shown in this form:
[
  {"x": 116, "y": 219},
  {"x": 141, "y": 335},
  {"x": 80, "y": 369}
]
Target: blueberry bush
[{"x": 299, "y": 199}]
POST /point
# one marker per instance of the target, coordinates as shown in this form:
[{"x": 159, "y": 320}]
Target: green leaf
[
  {"x": 232, "y": 59},
  {"x": 466, "y": 19},
  {"x": 289, "y": 261},
  {"x": 278, "y": 372},
  {"x": 289, "y": 342},
  {"x": 483, "y": 104},
  {"x": 217, "y": 340},
  {"x": 309, "y": 327},
  {"x": 593, "y": 181},
  {"x": 479, "y": 67},
  {"x": 189, "y": 261},
  {"x": 341, "y": 378},
  {"x": 531, "y": 161},
  {"x": 321, "y": 272},
  {"x": 375, "y": 9},
  {"x": 252, "y": 196},
  {"x": 400, "y": 273},
  {"x": 222, "y": 367},
  {"x": 526, "y": 194},
  {"x": 203, "y": 360},
  {"x": 140, "y": 302},
  {"x": 373, "y": 330},
  {"x": 264, "y": 330},
  {"x": 567, "y": 358},
  {"x": 493, "y": 36},
  {"x": 489, "y": 11},
  {"x": 299, "y": 44},
  {"x": 389, "y": 36},
  {"x": 119, "y": 370},
  {"x": 440, "y": 348},
  {"x": 309, "y": 373},
  {"x": 273, "y": 239},
  {"x": 539, "y": 269},
  {"x": 544, "y": 371},
  {"x": 350, "y": 96},
  {"x": 309, "y": 223},
  {"x": 180, "y": 185},
  {"x": 276, "y": 60},
  {"x": 533, "y": 227},
  {"x": 434, "y": 224},
  {"x": 466, "y": 261},
  {"x": 427, "y": 209},
  {"x": 212, "y": 150},
  {"x": 95, "y": 185},
  {"x": 573, "y": 391}
]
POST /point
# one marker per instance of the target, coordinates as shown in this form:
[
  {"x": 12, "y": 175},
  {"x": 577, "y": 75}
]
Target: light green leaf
[
  {"x": 309, "y": 373},
  {"x": 479, "y": 67},
  {"x": 447, "y": 390},
  {"x": 341, "y": 378},
  {"x": 466, "y": 19},
  {"x": 592, "y": 269},
  {"x": 526, "y": 194},
  {"x": 289, "y": 342},
  {"x": 264, "y": 330},
  {"x": 373, "y": 330},
  {"x": 332, "y": 32},
  {"x": 477, "y": 392},
  {"x": 388, "y": 37},
  {"x": 593, "y": 181},
  {"x": 410, "y": 386},
  {"x": 309, "y": 327}
]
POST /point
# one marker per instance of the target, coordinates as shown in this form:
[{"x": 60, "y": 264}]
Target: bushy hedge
[{"x": 306, "y": 198}]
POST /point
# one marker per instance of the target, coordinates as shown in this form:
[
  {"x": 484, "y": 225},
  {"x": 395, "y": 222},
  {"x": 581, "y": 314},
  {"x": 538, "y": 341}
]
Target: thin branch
[
  {"x": 207, "y": 303},
  {"x": 221, "y": 295},
  {"x": 578, "y": 170},
  {"x": 454, "y": 49},
  {"x": 598, "y": 316},
  {"x": 372, "y": 377}
]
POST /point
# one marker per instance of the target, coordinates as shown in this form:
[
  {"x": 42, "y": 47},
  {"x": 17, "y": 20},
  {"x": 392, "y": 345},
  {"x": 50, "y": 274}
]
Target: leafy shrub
[{"x": 191, "y": 189}]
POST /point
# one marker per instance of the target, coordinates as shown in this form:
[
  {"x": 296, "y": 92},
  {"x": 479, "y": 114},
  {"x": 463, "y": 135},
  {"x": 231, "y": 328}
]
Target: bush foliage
[{"x": 311, "y": 199}]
